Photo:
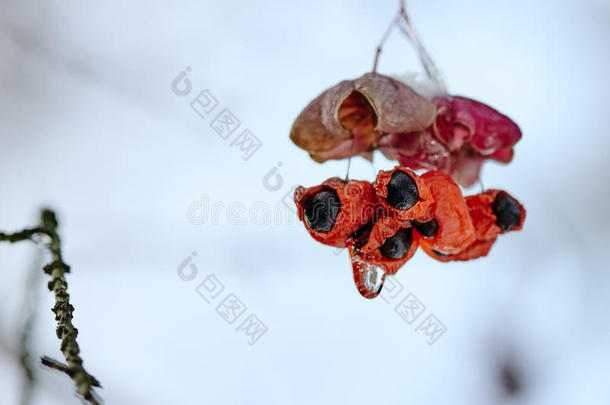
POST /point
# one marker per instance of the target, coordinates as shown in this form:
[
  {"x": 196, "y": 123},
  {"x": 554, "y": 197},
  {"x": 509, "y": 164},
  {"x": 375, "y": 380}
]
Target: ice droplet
[
  {"x": 368, "y": 277},
  {"x": 41, "y": 240},
  {"x": 373, "y": 278}
]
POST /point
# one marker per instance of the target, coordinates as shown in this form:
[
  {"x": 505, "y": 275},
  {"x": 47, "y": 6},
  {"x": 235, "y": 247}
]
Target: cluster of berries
[{"x": 383, "y": 223}]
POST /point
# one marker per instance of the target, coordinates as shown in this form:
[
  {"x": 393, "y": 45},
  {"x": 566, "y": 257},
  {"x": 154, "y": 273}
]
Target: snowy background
[{"x": 89, "y": 126}]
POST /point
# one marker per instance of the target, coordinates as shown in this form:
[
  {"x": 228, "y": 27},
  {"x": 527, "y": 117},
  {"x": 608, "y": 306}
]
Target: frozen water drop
[
  {"x": 373, "y": 278},
  {"x": 368, "y": 277},
  {"x": 41, "y": 240}
]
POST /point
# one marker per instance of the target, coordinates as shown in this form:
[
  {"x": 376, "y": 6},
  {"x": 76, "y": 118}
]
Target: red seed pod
[
  {"x": 388, "y": 243},
  {"x": 492, "y": 212},
  {"x": 379, "y": 249},
  {"x": 479, "y": 248},
  {"x": 402, "y": 193},
  {"x": 447, "y": 228},
  {"x": 335, "y": 209},
  {"x": 483, "y": 218}
]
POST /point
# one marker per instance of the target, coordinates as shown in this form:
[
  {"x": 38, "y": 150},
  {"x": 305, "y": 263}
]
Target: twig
[
  {"x": 429, "y": 66},
  {"x": 20, "y": 236},
  {"x": 386, "y": 34},
  {"x": 63, "y": 310},
  {"x": 402, "y": 20},
  {"x": 30, "y": 310},
  {"x": 57, "y": 365}
]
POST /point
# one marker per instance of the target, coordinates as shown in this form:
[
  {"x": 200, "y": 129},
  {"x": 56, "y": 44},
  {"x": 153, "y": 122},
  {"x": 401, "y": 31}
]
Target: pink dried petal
[
  {"x": 490, "y": 129},
  {"x": 503, "y": 155},
  {"x": 432, "y": 155},
  {"x": 445, "y": 128},
  {"x": 393, "y": 145},
  {"x": 467, "y": 165}
]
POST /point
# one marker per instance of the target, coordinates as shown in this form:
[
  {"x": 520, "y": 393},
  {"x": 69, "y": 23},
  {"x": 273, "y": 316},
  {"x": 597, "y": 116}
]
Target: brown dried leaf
[{"x": 349, "y": 118}]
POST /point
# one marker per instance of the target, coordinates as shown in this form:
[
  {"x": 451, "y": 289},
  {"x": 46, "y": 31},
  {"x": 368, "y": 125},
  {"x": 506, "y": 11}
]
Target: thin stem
[
  {"x": 402, "y": 20},
  {"x": 25, "y": 234},
  {"x": 349, "y": 159},
  {"x": 480, "y": 180},
  {"x": 63, "y": 310},
  {"x": 429, "y": 66},
  {"x": 30, "y": 312},
  {"x": 349, "y": 164},
  {"x": 386, "y": 34}
]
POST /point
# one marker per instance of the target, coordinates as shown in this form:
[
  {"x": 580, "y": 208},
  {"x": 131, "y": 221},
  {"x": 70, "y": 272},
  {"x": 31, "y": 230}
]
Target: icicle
[{"x": 368, "y": 278}]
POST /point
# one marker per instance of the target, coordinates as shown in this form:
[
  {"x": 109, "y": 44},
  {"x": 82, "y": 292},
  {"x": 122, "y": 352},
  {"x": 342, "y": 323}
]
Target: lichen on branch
[{"x": 63, "y": 309}]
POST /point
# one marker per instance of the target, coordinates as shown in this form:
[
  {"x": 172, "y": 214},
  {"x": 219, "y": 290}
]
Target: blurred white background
[{"x": 89, "y": 126}]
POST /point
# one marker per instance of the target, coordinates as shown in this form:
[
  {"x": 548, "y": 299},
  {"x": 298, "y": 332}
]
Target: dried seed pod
[
  {"x": 464, "y": 135},
  {"x": 463, "y": 120},
  {"x": 349, "y": 118},
  {"x": 417, "y": 150},
  {"x": 389, "y": 242},
  {"x": 335, "y": 209},
  {"x": 402, "y": 193},
  {"x": 492, "y": 212},
  {"x": 428, "y": 228},
  {"x": 378, "y": 249},
  {"x": 479, "y": 248},
  {"x": 448, "y": 214}
]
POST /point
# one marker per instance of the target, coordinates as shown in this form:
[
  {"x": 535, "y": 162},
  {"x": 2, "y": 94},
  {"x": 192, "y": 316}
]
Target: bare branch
[
  {"x": 20, "y": 236},
  {"x": 63, "y": 310},
  {"x": 31, "y": 299},
  {"x": 429, "y": 66},
  {"x": 57, "y": 365},
  {"x": 386, "y": 34},
  {"x": 404, "y": 23}
]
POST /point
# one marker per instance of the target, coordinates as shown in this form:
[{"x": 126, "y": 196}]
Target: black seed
[
  {"x": 398, "y": 245},
  {"x": 440, "y": 254},
  {"x": 426, "y": 229},
  {"x": 322, "y": 209},
  {"x": 507, "y": 212},
  {"x": 361, "y": 235},
  {"x": 402, "y": 191}
]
